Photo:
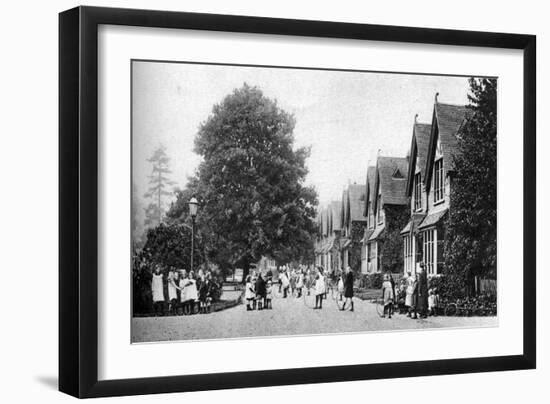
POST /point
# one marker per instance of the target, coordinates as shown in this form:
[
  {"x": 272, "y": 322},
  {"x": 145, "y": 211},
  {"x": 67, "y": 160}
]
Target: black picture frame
[{"x": 78, "y": 200}]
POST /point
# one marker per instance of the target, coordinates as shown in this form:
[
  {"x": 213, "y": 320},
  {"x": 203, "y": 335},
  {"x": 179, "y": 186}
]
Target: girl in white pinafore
[
  {"x": 157, "y": 289},
  {"x": 320, "y": 289},
  {"x": 189, "y": 293},
  {"x": 173, "y": 290},
  {"x": 249, "y": 293}
]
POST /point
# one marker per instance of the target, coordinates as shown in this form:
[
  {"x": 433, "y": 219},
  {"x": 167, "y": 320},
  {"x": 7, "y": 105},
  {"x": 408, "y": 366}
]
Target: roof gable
[
  {"x": 392, "y": 189},
  {"x": 419, "y": 152},
  {"x": 356, "y": 202},
  {"x": 446, "y": 122},
  {"x": 369, "y": 188}
]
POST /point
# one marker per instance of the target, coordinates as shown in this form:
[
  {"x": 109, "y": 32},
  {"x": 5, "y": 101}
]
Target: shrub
[{"x": 373, "y": 281}]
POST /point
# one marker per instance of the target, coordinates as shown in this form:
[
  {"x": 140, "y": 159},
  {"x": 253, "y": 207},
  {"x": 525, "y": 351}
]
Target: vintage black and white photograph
[{"x": 281, "y": 201}]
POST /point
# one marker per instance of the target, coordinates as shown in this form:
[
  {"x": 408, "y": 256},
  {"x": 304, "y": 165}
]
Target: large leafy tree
[
  {"x": 471, "y": 239},
  {"x": 251, "y": 183}
]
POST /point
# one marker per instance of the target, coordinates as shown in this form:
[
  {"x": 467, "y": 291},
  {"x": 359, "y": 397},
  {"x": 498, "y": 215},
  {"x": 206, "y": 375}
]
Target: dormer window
[
  {"x": 439, "y": 181},
  {"x": 417, "y": 192}
]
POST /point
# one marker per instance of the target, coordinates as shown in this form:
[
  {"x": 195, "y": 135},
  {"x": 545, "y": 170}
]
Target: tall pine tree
[
  {"x": 158, "y": 187},
  {"x": 471, "y": 239}
]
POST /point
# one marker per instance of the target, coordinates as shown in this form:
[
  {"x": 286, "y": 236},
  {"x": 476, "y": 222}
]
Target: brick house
[
  {"x": 429, "y": 183},
  {"x": 390, "y": 214},
  {"x": 416, "y": 193}
]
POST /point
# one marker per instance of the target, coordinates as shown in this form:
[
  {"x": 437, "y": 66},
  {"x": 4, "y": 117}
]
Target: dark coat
[
  {"x": 422, "y": 290},
  {"x": 204, "y": 290},
  {"x": 260, "y": 287},
  {"x": 348, "y": 285}
]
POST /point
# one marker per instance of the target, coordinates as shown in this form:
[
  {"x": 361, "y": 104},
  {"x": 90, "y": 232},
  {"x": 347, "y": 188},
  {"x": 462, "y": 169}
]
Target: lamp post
[{"x": 193, "y": 206}]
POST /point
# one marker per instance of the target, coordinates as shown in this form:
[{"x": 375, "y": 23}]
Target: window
[
  {"x": 431, "y": 251},
  {"x": 371, "y": 256},
  {"x": 408, "y": 254},
  {"x": 439, "y": 181},
  {"x": 417, "y": 192}
]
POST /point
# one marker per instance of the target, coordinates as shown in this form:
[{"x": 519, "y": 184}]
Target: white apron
[{"x": 157, "y": 288}]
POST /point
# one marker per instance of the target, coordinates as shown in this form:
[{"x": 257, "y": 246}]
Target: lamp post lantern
[{"x": 193, "y": 206}]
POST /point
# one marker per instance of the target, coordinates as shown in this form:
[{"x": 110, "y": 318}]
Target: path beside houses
[{"x": 288, "y": 317}]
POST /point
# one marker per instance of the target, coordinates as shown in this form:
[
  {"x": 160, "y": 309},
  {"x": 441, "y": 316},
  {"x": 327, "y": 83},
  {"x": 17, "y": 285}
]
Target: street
[{"x": 289, "y": 316}]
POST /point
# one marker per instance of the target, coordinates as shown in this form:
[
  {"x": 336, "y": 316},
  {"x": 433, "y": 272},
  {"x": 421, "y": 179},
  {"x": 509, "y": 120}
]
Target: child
[
  {"x": 173, "y": 290},
  {"x": 205, "y": 295},
  {"x": 260, "y": 291},
  {"x": 340, "y": 287},
  {"x": 249, "y": 293},
  {"x": 319, "y": 290},
  {"x": 157, "y": 289},
  {"x": 300, "y": 283},
  {"x": 190, "y": 293},
  {"x": 268, "y": 294},
  {"x": 433, "y": 302},
  {"x": 292, "y": 282}
]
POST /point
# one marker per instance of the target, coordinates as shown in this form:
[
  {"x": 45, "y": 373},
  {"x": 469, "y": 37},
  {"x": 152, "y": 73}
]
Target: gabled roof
[
  {"x": 392, "y": 186},
  {"x": 335, "y": 211},
  {"x": 419, "y": 151},
  {"x": 446, "y": 122},
  {"x": 370, "y": 191},
  {"x": 356, "y": 202}
]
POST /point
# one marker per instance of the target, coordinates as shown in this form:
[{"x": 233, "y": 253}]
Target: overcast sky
[{"x": 346, "y": 117}]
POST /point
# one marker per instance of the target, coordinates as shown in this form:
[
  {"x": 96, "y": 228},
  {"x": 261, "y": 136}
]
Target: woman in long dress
[
  {"x": 388, "y": 295},
  {"x": 348, "y": 289},
  {"x": 422, "y": 292},
  {"x": 410, "y": 297}
]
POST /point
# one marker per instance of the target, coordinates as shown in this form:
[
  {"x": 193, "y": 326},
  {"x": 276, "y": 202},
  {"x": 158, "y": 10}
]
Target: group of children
[
  {"x": 258, "y": 292},
  {"x": 412, "y": 297},
  {"x": 295, "y": 282},
  {"x": 186, "y": 292}
]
